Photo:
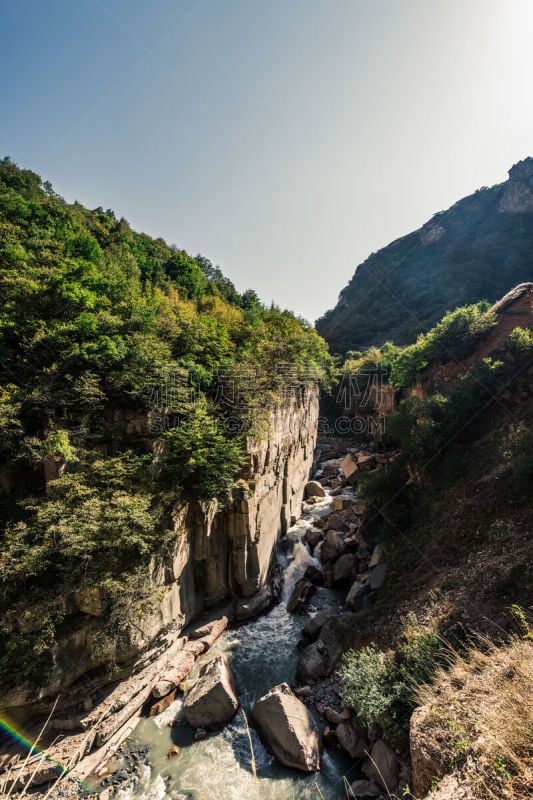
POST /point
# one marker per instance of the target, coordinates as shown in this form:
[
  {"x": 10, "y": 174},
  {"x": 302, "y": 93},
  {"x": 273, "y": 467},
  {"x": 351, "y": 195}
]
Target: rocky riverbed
[{"x": 286, "y": 658}]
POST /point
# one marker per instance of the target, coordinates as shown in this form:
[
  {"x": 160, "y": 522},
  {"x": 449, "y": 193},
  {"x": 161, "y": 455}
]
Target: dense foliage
[
  {"x": 109, "y": 341},
  {"x": 406, "y": 287}
]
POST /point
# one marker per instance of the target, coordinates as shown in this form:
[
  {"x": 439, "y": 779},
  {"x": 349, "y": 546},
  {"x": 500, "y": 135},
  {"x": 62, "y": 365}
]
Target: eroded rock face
[
  {"x": 212, "y": 701},
  {"x": 518, "y": 194},
  {"x": 287, "y": 729}
]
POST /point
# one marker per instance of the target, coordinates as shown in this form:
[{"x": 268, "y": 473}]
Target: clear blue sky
[{"x": 283, "y": 139}]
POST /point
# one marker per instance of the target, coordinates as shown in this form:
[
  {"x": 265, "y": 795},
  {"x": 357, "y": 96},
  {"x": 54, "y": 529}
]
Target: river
[{"x": 262, "y": 653}]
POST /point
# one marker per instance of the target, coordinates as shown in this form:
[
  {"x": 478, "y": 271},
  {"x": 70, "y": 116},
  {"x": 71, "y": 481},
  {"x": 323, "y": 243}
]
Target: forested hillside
[
  {"x": 99, "y": 322},
  {"x": 477, "y": 250}
]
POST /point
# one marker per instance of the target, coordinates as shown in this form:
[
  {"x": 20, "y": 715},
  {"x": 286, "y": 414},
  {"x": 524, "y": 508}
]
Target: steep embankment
[{"x": 477, "y": 250}]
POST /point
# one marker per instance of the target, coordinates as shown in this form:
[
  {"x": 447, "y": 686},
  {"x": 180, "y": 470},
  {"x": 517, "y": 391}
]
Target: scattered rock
[
  {"x": 332, "y": 546},
  {"x": 304, "y": 691},
  {"x": 312, "y": 628},
  {"x": 313, "y": 536},
  {"x": 313, "y": 662},
  {"x": 300, "y": 596},
  {"x": 351, "y": 738},
  {"x": 287, "y": 729},
  {"x": 377, "y": 556},
  {"x": 356, "y": 595},
  {"x": 331, "y": 467},
  {"x": 341, "y": 503},
  {"x": 365, "y": 463},
  {"x": 382, "y": 766},
  {"x": 350, "y": 468},
  {"x": 365, "y": 790},
  {"x": 314, "y": 489},
  {"x": 343, "y": 569},
  {"x": 314, "y": 575},
  {"x": 174, "y": 751},
  {"x": 334, "y": 522},
  {"x": 332, "y": 716},
  {"x": 212, "y": 701},
  {"x": 376, "y": 579}
]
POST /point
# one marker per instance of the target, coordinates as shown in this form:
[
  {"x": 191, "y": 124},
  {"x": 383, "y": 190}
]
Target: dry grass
[{"x": 482, "y": 719}]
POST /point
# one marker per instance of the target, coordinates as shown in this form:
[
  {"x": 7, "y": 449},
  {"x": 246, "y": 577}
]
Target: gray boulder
[
  {"x": 365, "y": 790},
  {"x": 333, "y": 546},
  {"x": 313, "y": 662},
  {"x": 343, "y": 569},
  {"x": 287, "y": 729},
  {"x": 356, "y": 595},
  {"x": 351, "y": 738},
  {"x": 382, "y": 766},
  {"x": 212, "y": 701}
]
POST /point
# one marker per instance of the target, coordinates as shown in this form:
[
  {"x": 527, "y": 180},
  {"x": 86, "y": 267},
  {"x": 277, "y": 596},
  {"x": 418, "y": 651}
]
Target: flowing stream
[{"x": 262, "y": 653}]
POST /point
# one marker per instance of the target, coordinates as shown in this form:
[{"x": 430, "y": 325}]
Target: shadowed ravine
[{"x": 263, "y": 654}]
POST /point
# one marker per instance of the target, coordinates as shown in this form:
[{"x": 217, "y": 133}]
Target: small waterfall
[{"x": 301, "y": 560}]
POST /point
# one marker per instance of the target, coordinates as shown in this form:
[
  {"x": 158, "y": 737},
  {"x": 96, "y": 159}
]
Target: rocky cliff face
[
  {"x": 218, "y": 552},
  {"x": 477, "y": 249},
  {"x": 518, "y": 194}
]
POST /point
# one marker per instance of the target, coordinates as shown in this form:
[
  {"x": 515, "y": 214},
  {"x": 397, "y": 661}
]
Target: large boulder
[
  {"x": 314, "y": 489},
  {"x": 343, "y": 569},
  {"x": 335, "y": 522},
  {"x": 382, "y": 766},
  {"x": 333, "y": 546},
  {"x": 313, "y": 536},
  {"x": 212, "y": 701},
  {"x": 352, "y": 739},
  {"x": 313, "y": 627},
  {"x": 250, "y": 607},
  {"x": 287, "y": 729}
]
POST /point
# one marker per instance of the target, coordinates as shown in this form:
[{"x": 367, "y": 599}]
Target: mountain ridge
[{"x": 477, "y": 249}]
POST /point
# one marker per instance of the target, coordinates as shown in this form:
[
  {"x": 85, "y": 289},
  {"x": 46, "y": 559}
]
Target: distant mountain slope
[{"x": 476, "y": 250}]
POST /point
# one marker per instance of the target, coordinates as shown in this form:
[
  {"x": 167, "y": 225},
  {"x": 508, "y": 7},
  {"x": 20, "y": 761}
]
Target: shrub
[
  {"x": 520, "y": 340},
  {"x": 382, "y": 688},
  {"x": 367, "y": 677}
]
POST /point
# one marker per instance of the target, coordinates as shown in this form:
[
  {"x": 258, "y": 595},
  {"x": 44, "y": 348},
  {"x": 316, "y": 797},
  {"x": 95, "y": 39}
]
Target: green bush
[
  {"x": 381, "y": 688},
  {"x": 368, "y": 683},
  {"x": 520, "y": 340}
]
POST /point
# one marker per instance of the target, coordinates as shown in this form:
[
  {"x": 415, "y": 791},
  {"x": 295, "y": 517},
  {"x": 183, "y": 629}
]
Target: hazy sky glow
[{"x": 284, "y": 140}]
